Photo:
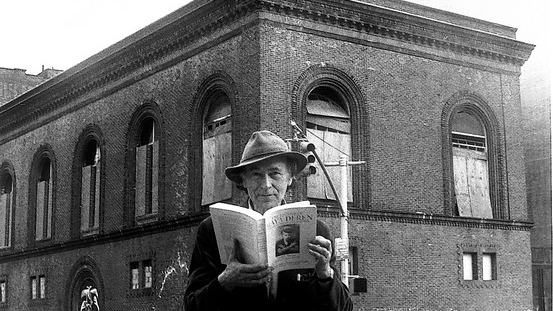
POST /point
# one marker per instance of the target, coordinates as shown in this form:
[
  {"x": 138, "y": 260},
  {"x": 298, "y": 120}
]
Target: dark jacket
[{"x": 204, "y": 293}]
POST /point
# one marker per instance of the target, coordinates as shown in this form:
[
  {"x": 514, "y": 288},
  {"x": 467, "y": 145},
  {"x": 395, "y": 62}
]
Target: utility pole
[
  {"x": 344, "y": 218},
  {"x": 342, "y": 199}
]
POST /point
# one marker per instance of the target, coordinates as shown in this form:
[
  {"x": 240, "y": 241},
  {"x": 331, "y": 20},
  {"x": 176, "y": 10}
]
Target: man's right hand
[{"x": 238, "y": 274}]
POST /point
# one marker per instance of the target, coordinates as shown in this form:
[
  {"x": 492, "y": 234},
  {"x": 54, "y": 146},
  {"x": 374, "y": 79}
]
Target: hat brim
[{"x": 233, "y": 172}]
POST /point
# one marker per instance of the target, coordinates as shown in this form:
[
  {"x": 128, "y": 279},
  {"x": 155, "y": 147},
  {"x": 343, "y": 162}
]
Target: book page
[
  {"x": 234, "y": 222},
  {"x": 289, "y": 229}
]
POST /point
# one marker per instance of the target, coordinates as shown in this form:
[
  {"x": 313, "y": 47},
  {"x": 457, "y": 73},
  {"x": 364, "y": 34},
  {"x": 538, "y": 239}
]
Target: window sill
[
  {"x": 480, "y": 284},
  {"x": 146, "y": 219},
  {"x": 141, "y": 292},
  {"x": 43, "y": 242},
  {"x": 5, "y": 249},
  {"x": 89, "y": 232},
  {"x": 38, "y": 302}
]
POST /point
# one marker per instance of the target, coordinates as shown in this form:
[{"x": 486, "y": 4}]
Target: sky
[{"x": 61, "y": 33}]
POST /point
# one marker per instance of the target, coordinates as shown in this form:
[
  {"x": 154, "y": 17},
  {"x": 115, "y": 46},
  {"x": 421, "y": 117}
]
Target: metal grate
[
  {"x": 324, "y": 128},
  {"x": 470, "y": 142}
]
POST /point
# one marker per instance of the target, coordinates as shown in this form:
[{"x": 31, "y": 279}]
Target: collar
[{"x": 250, "y": 203}]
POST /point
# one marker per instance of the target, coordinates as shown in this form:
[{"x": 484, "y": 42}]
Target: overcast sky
[{"x": 61, "y": 33}]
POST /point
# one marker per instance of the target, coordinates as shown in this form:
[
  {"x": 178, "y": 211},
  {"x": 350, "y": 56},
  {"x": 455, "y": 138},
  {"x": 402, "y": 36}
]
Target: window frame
[
  {"x": 216, "y": 83},
  {"x": 90, "y": 133},
  {"x": 149, "y": 151},
  {"x": 226, "y": 184},
  {"x": 478, "y": 251},
  {"x": 85, "y": 270},
  {"x": 477, "y": 107},
  {"x": 44, "y": 152},
  {"x": 4, "y": 298},
  {"x": 145, "y": 111},
  {"x": 327, "y": 75},
  {"x": 493, "y": 266},
  {"x": 324, "y": 129},
  {"x": 140, "y": 261},
  {"x": 7, "y": 169},
  {"x": 42, "y": 297}
]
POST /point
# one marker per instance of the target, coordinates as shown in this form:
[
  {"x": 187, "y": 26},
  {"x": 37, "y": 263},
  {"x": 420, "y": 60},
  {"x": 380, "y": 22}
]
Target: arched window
[
  {"x": 85, "y": 286},
  {"x": 332, "y": 106},
  {"x": 147, "y": 170},
  {"x": 329, "y": 128},
  {"x": 473, "y": 159},
  {"x": 90, "y": 188},
  {"x": 44, "y": 193},
  {"x": 6, "y": 208},
  {"x": 470, "y": 165},
  {"x": 217, "y": 148}
]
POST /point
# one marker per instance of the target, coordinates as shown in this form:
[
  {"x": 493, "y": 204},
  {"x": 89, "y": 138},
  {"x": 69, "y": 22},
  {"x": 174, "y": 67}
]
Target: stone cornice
[
  {"x": 144, "y": 54},
  {"x": 405, "y": 27},
  {"x": 162, "y": 44},
  {"x": 429, "y": 219},
  {"x": 8, "y": 255}
]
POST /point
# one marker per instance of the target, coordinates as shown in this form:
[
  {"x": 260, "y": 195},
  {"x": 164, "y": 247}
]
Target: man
[{"x": 265, "y": 172}]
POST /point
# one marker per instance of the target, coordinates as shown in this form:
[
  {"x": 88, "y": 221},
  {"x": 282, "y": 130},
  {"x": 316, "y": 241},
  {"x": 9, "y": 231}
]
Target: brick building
[
  {"x": 14, "y": 82},
  {"x": 107, "y": 168}
]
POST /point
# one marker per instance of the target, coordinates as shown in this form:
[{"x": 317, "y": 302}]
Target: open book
[{"x": 279, "y": 237}]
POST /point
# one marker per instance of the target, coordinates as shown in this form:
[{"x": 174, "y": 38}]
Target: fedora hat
[{"x": 264, "y": 145}]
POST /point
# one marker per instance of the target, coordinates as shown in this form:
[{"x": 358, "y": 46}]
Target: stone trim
[
  {"x": 429, "y": 219},
  {"x": 162, "y": 226},
  {"x": 400, "y": 26},
  {"x": 478, "y": 249}
]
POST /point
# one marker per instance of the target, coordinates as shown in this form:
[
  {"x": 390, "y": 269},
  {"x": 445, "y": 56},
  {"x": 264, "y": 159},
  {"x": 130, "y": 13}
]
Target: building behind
[
  {"x": 14, "y": 82},
  {"x": 536, "y": 103},
  {"x": 107, "y": 168}
]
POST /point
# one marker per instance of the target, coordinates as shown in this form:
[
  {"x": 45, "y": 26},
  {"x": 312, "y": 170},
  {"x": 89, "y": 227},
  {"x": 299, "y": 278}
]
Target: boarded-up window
[
  {"x": 90, "y": 189},
  {"x": 217, "y": 148},
  {"x": 147, "y": 171},
  {"x": 328, "y": 127},
  {"x": 5, "y": 210},
  {"x": 470, "y": 167},
  {"x": 472, "y": 183},
  {"x": 43, "y": 220}
]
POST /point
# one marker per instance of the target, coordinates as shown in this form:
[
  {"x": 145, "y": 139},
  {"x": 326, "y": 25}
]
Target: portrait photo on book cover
[{"x": 289, "y": 242}]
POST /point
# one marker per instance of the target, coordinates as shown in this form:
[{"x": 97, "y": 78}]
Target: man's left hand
[{"x": 321, "y": 249}]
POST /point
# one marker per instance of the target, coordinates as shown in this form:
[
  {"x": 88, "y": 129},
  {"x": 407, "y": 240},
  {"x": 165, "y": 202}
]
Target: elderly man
[{"x": 266, "y": 170}]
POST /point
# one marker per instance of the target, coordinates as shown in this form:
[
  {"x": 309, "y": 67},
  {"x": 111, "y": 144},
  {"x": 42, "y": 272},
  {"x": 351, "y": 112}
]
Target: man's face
[
  {"x": 286, "y": 236},
  {"x": 267, "y": 182}
]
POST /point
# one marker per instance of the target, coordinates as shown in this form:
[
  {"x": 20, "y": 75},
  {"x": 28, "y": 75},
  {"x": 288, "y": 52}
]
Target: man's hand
[
  {"x": 321, "y": 249},
  {"x": 237, "y": 274}
]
